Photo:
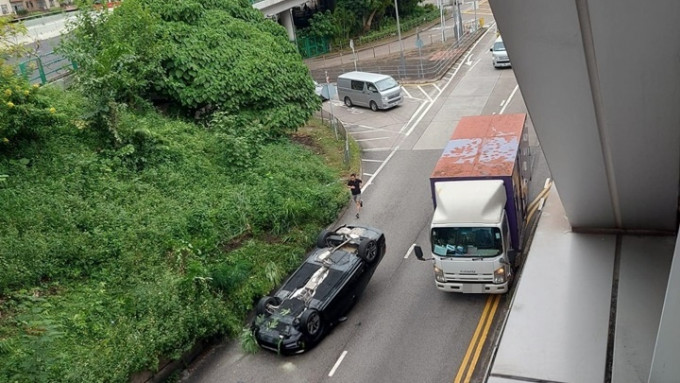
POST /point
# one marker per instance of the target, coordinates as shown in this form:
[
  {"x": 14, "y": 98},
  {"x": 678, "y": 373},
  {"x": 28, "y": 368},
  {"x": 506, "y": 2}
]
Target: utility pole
[
  {"x": 330, "y": 103},
  {"x": 459, "y": 19},
  {"x": 474, "y": 3},
  {"x": 442, "y": 19},
  {"x": 401, "y": 45}
]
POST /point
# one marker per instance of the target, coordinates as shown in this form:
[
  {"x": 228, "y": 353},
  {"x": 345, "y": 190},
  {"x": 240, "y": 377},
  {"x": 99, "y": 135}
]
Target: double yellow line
[{"x": 467, "y": 367}]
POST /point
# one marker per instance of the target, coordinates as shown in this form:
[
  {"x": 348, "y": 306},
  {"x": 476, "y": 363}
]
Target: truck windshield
[
  {"x": 386, "y": 84},
  {"x": 466, "y": 241}
]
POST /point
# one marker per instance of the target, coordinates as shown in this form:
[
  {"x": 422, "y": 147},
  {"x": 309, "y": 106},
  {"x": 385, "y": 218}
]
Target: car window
[
  {"x": 357, "y": 85},
  {"x": 498, "y": 46},
  {"x": 387, "y": 83}
]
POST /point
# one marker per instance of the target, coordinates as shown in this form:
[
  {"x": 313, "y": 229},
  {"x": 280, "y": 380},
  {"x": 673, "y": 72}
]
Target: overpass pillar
[{"x": 286, "y": 19}]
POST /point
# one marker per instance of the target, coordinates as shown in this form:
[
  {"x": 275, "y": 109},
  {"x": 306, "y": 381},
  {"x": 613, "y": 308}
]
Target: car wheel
[
  {"x": 368, "y": 250},
  {"x": 348, "y": 102},
  {"x": 312, "y": 324},
  {"x": 374, "y": 106},
  {"x": 322, "y": 239},
  {"x": 263, "y": 303}
]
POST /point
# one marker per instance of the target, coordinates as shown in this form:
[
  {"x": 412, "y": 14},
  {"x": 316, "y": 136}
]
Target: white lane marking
[
  {"x": 372, "y": 139},
  {"x": 425, "y": 93},
  {"x": 368, "y": 174},
  {"x": 502, "y": 103},
  {"x": 435, "y": 85},
  {"x": 356, "y": 133},
  {"x": 368, "y": 128},
  {"x": 475, "y": 64},
  {"x": 416, "y": 114},
  {"x": 509, "y": 98},
  {"x": 410, "y": 250},
  {"x": 376, "y": 150},
  {"x": 407, "y": 93},
  {"x": 445, "y": 85},
  {"x": 367, "y": 160},
  {"x": 365, "y": 126},
  {"x": 337, "y": 364},
  {"x": 469, "y": 60},
  {"x": 380, "y": 168}
]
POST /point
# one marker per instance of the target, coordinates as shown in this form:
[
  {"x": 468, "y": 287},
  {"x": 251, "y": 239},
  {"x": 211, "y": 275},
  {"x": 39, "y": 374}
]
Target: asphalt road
[{"x": 403, "y": 329}]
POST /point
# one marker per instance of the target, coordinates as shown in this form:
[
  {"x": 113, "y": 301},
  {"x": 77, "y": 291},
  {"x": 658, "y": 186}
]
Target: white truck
[{"x": 479, "y": 190}]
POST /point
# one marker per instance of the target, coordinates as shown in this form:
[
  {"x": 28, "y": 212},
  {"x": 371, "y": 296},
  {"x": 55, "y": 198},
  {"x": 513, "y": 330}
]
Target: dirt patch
[
  {"x": 307, "y": 141},
  {"x": 236, "y": 242}
]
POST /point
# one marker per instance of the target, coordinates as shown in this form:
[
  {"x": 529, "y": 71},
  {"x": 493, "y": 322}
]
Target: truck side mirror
[{"x": 419, "y": 253}]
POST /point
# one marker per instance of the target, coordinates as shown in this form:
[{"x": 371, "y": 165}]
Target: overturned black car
[{"x": 321, "y": 291}]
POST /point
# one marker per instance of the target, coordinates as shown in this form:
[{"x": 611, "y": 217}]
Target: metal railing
[
  {"x": 429, "y": 64},
  {"x": 46, "y": 68},
  {"x": 341, "y": 134}
]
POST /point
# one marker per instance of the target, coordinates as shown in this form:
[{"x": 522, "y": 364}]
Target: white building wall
[{"x": 6, "y": 8}]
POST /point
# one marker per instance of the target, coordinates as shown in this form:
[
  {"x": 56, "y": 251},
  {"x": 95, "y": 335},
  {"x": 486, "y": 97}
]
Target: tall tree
[
  {"x": 194, "y": 56},
  {"x": 365, "y": 10}
]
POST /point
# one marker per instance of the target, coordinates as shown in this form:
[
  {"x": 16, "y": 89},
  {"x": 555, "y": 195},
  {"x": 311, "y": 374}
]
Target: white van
[
  {"x": 376, "y": 91},
  {"x": 500, "y": 55}
]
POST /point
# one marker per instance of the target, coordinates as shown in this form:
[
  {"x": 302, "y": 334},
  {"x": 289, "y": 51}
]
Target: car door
[{"x": 359, "y": 96}]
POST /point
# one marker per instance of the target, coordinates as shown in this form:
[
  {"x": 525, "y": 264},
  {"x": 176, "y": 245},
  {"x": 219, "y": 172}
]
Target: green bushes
[
  {"x": 23, "y": 108},
  {"x": 113, "y": 257},
  {"x": 193, "y": 58},
  {"x": 390, "y": 28}
]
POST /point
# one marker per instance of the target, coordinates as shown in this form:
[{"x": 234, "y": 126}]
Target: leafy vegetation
[
  {"x": 127, "y": 234},
  {"x": 106, "y": 265},
  {"x": 352, "y": 18},
  {"x": 23, "y": 108},
  {"x": 192, "y": 58}
]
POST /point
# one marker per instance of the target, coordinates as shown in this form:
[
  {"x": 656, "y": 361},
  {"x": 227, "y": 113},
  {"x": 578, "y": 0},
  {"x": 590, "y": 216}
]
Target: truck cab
[
  {"x": 479, "y": 188},
  {"x": 471, "y": 247}
]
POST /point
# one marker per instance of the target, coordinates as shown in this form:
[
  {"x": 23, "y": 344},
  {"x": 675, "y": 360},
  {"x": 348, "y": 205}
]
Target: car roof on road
[{"x": 364, "y": 76}]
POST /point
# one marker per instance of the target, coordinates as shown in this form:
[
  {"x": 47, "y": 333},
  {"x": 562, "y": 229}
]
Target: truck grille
[{"x": 479, "y": 278}]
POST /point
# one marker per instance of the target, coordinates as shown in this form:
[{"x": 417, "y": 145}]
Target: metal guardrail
[
  {"x": 428, "y": 66},
  {"x": 329, "y": 120},
  {"x": 46, "y": 68}
]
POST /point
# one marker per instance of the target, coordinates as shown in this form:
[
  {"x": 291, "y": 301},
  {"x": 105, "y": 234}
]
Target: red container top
[{"x": 481, "y": 147}]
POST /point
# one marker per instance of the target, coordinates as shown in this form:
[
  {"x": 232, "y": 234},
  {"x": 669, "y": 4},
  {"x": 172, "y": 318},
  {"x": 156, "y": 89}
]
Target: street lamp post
[
  {"x": 475, "y": 5},
  {"x": 401, "y": 45},
  {"x": 441, "y": 19}
]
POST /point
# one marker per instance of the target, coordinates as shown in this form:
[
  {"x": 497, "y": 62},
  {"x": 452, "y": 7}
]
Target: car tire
[
  {"x": 348, "y": 102},
  {"x": 262, "y": 304},
  {"x": 374, "y": 106},
  {"x": 368, "y": 250},
  {"x": 312, "y": 324},
  {"x": 322, "y": 239}
]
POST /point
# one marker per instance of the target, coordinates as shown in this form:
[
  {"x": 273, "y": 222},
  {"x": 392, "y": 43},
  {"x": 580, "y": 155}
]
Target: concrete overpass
[
  {"x": 281, "y": 11},
  {"x": 599, "y": 297}
]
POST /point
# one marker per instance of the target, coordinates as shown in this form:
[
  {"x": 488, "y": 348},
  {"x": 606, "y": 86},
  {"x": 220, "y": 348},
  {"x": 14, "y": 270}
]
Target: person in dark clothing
[{"x": 354, "y": 185}]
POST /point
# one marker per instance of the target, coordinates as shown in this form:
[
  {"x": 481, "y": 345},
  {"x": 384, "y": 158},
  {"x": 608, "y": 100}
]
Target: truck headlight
[
  {"x": 385, "y": 99},
  {"x": 499, "y": 275},
  {"x": 439, "y": 274}
]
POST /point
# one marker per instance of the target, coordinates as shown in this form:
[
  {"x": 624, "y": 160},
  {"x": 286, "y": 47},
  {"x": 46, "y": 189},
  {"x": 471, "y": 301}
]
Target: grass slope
[{"x": 110, "y": 259}]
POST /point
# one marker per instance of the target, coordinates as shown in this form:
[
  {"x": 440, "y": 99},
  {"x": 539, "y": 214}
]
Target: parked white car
[{"x": 499, "y": 54}]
